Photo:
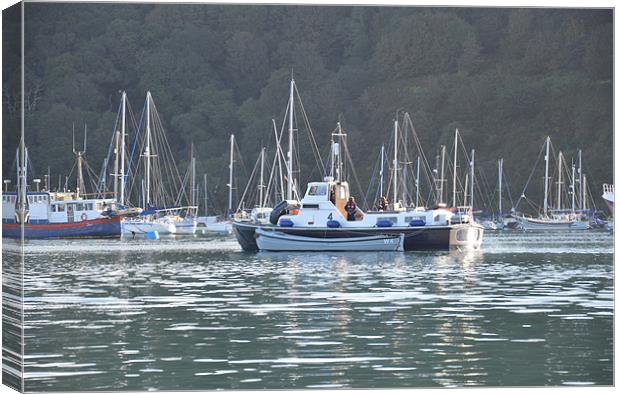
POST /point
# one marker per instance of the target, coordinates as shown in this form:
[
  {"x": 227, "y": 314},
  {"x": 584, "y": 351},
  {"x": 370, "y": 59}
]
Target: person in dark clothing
[
  {"x": 350, "y": 208},
  {"x": 383, "y": 204}
]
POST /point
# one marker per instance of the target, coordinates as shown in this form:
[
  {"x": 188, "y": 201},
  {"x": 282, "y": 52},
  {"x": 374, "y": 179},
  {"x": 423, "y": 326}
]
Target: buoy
[
  {"x": 151, "y": 235},
  {"x": 333, "y": 224},
  {"x": 286, "y": 222},
  {"x": 384, "y": 223}
]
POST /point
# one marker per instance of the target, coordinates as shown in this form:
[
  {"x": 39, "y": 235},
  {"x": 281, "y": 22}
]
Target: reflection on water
[{"x": 528, "y": 310}]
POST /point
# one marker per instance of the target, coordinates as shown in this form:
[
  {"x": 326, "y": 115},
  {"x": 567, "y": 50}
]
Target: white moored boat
[{"x": 270, "y": 240}]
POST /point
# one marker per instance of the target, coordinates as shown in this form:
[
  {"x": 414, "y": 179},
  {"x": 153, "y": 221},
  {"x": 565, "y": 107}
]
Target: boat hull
[
  {"x": 415, "y": 238},
  {"x": 95, "y": 228},
  {"x": 279, "y": 242},
  {"x": 139, "y": 226},
  {"x": 541, "y": 224}
]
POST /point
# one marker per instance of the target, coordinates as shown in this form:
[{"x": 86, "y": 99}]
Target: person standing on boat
[
  {"x": 350, "y": 208},
  {"x": 383, "y": 204}
]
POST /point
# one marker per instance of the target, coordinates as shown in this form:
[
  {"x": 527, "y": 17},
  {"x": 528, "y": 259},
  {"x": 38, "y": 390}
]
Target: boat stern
[{"x": 466, "y": 236}]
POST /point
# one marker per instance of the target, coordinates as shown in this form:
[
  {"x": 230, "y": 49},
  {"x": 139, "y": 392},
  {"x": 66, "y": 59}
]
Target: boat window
[
  {"x": 392, "y": 219},
  {"x": 99, "y": 206},
  {"x": 317, "y": 190},
  {"x": 461, "y": 235},
  {"x": 89, "y": 206},
  {"x": 79, "y": 207},
  {"x": 60, "y": 207},
  {"x": 410, "y": 218}
]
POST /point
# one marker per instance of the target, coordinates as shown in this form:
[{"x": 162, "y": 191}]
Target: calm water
[{"x": 528, "y": 310}]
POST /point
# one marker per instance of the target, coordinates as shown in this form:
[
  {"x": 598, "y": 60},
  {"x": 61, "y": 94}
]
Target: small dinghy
[{"x": 275, "y": 241}]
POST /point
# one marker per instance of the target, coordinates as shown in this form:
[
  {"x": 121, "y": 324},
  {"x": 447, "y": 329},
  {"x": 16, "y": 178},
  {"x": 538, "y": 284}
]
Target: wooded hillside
[{"x": 506, "y": 78}]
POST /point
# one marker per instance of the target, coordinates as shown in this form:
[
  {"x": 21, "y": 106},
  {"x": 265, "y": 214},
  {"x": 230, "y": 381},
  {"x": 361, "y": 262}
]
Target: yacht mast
[
  {"x": 572, "y": 188},
  {"x": 417, "y": 183},
  {"x": 206, "y": 196},
  {"x": 193, "y": 180},
  {"x": 381, "y": 172},
  {"x": 559, "y": 181},
  {"x": 545, "y": 207},
  {"x": 147, "y": 150},
  {"x": 230, "y": 173},
  {"x": 262, "y": 171},
  {"x": 122, "y": 185},
  {"x": 395, "y": 162},
  {"x": 289, "y": 184},
  {"x": 456, "y": 148},
  {"x": 500, "y": 165},
  {"x": 581, "y": 182},
  {"x": 471, "y": 185},
  {"x": 117, "y": 136},
  {"x": 443, "y": 159}
]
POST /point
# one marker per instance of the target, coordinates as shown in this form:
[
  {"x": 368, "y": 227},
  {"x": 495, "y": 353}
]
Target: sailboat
[
  {"x": 558, "y": 218},
  {"x": 159, "y": 213}
]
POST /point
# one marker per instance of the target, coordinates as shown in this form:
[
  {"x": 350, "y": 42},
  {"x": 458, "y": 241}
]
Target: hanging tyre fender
[{"x": 280, "y": 209}]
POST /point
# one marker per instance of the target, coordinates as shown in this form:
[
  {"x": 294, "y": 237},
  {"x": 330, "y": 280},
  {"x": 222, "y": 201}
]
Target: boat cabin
[
  {"x": 49, "y": 207},
  {"x": 324, "y": 202},
  {"x": 321, "y": 194}
]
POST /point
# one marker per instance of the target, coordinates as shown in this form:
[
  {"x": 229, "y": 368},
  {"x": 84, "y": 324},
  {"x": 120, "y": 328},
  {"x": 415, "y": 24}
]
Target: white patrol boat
[{"x": 319, "y": 222}]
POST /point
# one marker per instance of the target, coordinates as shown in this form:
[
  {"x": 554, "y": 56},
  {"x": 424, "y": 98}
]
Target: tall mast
[
  {"x": 456, "y": 148},
  {"x": 193, "y": 176},
  {"x": 147, "y": 150},
  {"x": 395, "y": 162},
  {"x": 417, "y": 183},
  {"x": 206, "y": 196},
  {"x": 279, "y": 154},
  {"x": 21, "y": 164},
  {"x": 116, "y": 152},
  {"x": 559, "y": 181},
  {"x": 230, "y": 173},
  {"x": 405, "y": 163},
  {"x": 500, "y": 164},
  {"x": 262, "y": 171},
  {"x": 572, "y": 188},
  {"x": 583, "y": 190},
  {"x": 289, "y": 184},
  {"x": 80, "y": 188},
  {"x": 471, "y": 185},
  {"x": 443, "y": 160},
  {"x": 581, "y": 182},
  {"x": 381, "y": 172},
  {"x": 545, "y": 205},
  {"x": 122, "y": 179}
]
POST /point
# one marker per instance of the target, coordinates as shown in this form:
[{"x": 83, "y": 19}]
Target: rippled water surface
[{"x": 528, "y": 310}]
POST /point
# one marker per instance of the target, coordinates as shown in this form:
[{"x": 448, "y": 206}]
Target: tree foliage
[{"x": 505, "y": 77}]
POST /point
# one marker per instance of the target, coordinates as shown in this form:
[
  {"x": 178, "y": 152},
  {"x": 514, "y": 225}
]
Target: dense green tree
[{"x": 505, "y": 77}]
